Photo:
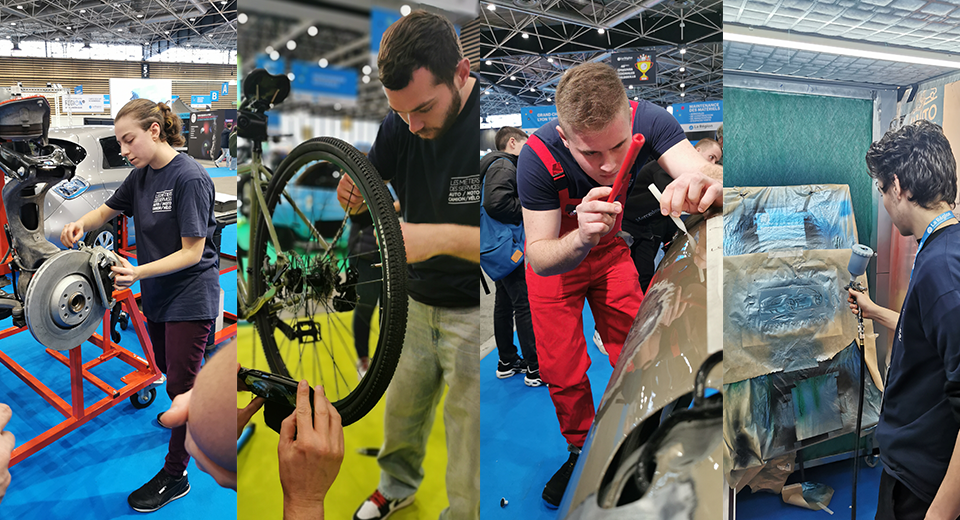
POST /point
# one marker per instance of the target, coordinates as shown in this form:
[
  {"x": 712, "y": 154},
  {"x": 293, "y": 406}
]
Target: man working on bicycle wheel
[
  {"x": 573, "y": 251},
  {"x": 427, "y": 148}
]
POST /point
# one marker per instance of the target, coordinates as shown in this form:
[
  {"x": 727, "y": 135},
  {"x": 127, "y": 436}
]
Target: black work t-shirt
[
  {"x": 917, "y": 430},
  {"x": 167, "y": 204},
  {"x": 437, "y": 183},
  {"x": 537, "y": 192}
]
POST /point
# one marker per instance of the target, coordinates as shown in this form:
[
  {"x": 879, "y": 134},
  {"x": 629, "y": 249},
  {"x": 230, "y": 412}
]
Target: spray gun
[{"x": 858, "y": 265}]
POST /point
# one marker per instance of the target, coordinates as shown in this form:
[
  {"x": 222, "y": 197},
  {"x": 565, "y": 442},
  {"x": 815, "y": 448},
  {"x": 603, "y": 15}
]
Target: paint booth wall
[{"x": 776, "y": 139}]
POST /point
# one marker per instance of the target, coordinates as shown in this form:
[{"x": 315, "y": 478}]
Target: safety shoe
[
  {"x": 378, "y": 507},
  {"x": 160, "y": 491},
  {"x": 532, "y": 378},
  {"x": 505, "y": 370},
  {"x": 553, "y": 491}
]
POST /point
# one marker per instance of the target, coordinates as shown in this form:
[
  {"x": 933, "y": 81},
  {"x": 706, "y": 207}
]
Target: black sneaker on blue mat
[
  {"x": 505, "y": 370},
  {"x": 160, "y": 491}
]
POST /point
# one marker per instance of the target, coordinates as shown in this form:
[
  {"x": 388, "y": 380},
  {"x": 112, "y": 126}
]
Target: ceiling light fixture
[
  {"x": 549, "y": 60},
  {"x": 323, "y": 63},
  {"x": 291, "y": 45},
  {"x": 366, "y": 69},
  {"x": 525, "y": 36},
  {"x": 842, "y": 48},
  {"x": 366, "y": 79},
  {"x": 404, "y": 10},
  {"x": 491, "y": 7},
  {"x": 312, "y": 30},
  {"x": 600, "y": 30},
  {"x": 489, "y": 62},
  {"x": 242, "y": 17},
  {"x": 683, "y": 69}
]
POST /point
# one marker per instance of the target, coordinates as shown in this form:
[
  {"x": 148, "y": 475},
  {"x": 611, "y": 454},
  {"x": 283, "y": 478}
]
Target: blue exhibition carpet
[
  {"x": 88, "y": 473},
  {"x": 837, "y": 475},
  {"x": 520, "y": 442}
]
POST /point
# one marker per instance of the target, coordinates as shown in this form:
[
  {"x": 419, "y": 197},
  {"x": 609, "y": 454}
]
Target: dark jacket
[
  {"x": 225, "y": 138},
  {"x": 500, "y": 197}
]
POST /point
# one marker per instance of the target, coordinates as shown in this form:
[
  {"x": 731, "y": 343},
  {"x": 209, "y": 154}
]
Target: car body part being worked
[{"x": 60, "y": 295}]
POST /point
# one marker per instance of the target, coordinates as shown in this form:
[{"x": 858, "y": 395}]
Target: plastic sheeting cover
[
  {"x": 759, "y": 220},
  {"x": 761, "y": 418},
  {"x": 785, "y": 311}
]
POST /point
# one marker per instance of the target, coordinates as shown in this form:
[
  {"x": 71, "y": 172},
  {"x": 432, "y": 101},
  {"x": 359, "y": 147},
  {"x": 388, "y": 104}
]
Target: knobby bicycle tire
[{"x": 393, "y": 294}]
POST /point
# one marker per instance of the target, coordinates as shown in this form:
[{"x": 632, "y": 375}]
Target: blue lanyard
[{"x": 943, "y": 217}]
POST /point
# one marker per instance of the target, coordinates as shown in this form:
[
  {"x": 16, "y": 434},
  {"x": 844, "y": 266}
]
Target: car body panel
[
  {"x": 668, "y": 342},
  {"x": 102, "y": 181}
]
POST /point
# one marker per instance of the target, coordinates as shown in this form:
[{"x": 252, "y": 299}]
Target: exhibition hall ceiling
[
  {"x": 155, "y": 24},
  {"x": 930, "y": 29},
  {"x": 526, "y": 45}
]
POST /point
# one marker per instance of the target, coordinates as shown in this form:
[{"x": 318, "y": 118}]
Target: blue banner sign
[
  {"x": 535, "y": 117},
  {"x": 699, "y": 117},
  {"x": 309, "y": 78}
]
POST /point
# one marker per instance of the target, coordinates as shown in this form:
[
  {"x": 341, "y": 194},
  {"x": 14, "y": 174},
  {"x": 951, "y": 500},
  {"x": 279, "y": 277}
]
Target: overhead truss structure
[
  {"x": 527, "y": 45},
  {"x": 156, "y": 25}
]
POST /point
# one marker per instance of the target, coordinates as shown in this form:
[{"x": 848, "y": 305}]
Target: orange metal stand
[{"x": 76, "y": 413}]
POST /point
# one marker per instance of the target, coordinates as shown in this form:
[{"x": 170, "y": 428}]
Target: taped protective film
[
  {"x": 759, "y": 220},
  {"x": 762, "y": 421}
]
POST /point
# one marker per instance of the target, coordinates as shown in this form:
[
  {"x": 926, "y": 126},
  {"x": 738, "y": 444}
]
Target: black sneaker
[
  {"x": 378, "y": 507},
  {"x": 532, "y": 378},
  {"x": 505, "y": 370},
  {"x": 160, "y": 491},
  {"x": 553, "y": 491}
]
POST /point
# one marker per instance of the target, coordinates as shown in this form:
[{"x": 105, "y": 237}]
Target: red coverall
[{"x": 608, "y": 280}]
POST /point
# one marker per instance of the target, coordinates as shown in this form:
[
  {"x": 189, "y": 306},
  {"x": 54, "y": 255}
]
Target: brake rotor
[{"x": 62, "y": 305}]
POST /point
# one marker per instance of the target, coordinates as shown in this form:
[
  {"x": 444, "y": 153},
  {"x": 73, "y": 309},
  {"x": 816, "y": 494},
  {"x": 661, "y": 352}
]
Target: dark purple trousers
[{"x": 178, "y": 347}]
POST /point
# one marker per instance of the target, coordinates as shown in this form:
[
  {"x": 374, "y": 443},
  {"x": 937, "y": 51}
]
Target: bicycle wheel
[{"x": 307, "y": 327}]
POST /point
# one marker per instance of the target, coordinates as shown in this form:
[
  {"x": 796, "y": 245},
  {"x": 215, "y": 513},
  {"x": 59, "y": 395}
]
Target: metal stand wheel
[{"x": 143, "y": 398}]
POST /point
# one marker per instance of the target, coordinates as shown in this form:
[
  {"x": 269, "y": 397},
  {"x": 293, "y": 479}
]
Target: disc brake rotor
[{"x": 63, "y": 306}]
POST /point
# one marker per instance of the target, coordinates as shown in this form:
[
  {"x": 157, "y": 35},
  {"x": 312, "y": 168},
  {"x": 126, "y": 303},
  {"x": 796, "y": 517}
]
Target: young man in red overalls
[{"x": 573, "y": 252}]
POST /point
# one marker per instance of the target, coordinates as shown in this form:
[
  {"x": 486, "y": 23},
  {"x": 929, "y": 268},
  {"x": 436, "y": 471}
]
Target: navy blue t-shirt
[
  {"x": 167, "y": 204},
  {"x": 537, "y": 192},
  {"x": 437, "y": 183},
  {"x": 917, "y": 430}
]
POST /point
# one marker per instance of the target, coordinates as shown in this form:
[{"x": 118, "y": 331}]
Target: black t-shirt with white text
[{"x": 437, "y": 183}]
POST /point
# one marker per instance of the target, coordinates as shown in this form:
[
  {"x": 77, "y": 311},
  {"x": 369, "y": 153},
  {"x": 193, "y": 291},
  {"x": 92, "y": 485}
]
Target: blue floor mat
[
  {"x": 837, "y": 475},
  {"x": 520, "y": 442},
  {"x": 221, "y": 172},
  {"x": 88, "y": 473}
]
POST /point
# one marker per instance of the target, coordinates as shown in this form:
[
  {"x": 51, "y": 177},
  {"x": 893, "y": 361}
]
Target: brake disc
[{"x": 63, "y": 304}]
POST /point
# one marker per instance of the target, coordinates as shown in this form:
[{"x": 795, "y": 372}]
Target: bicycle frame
[{"x": 259, "y": 177}]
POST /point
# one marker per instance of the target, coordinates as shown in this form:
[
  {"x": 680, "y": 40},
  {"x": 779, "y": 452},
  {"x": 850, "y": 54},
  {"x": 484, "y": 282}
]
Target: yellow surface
[{"x": 259, "y": 494}]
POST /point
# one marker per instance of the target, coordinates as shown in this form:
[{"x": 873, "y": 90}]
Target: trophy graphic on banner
[{"x": 643, "y": 64}]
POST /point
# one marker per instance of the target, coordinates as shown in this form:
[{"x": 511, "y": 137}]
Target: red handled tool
[{"x": 635, "y": 145}]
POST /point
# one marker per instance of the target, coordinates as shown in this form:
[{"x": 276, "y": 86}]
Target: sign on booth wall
[
  {"x": 85, "y": 103},
  {"x": 533, "y": 118},
  {"x": 204, "y": 140},
  {"x": 635, "y": 68},
  {"x": 699, "y": 117}
]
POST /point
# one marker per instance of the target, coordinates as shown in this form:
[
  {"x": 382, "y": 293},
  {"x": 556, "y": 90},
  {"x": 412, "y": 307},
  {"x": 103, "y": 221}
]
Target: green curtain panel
[{"x": 776, "y": 139}]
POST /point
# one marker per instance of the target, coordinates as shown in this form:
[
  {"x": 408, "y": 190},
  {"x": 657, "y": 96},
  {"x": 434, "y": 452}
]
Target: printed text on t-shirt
[
  {"x": 464, "y": 190},
  {"x": 163, "y": 201}
]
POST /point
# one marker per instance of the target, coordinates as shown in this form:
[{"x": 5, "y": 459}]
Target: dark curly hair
[{"x": 920, "y": 156}]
